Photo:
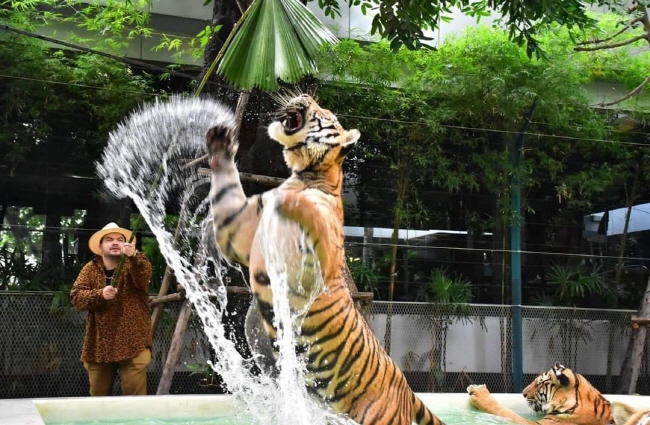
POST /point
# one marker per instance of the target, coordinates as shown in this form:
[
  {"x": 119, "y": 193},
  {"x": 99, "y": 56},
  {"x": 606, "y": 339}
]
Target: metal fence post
[{"x": 515, "y": 256}]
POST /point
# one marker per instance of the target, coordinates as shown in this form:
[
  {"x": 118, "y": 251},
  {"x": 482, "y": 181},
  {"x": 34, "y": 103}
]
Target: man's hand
[
  {"x": 109, "y": 292},
  {"x": 128, "y": 249}
]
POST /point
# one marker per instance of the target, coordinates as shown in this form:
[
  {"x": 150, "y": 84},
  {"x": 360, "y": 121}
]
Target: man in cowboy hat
[{"x": 118, "y": 327}]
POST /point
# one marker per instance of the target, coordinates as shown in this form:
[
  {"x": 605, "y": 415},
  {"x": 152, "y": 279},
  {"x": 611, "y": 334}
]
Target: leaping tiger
[
  {"x": 346, "y": 365},
  {"x": 565, "y": 398}
]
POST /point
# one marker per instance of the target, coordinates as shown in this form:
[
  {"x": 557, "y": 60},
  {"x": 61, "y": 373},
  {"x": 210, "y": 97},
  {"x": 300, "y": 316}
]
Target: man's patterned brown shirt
[{"x": 120, "y": 328}]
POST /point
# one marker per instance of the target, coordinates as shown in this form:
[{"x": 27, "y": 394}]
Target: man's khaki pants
[{"x": 133, "y": 375}]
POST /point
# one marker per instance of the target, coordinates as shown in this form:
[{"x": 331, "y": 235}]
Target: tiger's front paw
[
  {"x": 476, "y": 388},
  {"x": 221, "y": 146},
  {"x": 480, "y": 397}
]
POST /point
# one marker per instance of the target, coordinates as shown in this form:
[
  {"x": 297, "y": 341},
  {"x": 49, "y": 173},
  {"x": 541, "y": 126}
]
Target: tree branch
[
  {"x": 612, "y": 46},
  {"x": 605, "y": 40},
  {"x": 629, "y": 95}
]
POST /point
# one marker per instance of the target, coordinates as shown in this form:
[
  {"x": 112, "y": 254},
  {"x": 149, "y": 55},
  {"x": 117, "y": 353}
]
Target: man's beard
[{"x": 114, "y": 256}]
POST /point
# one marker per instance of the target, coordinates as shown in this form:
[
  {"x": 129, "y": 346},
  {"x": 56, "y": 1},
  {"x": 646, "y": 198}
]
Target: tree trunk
[
  {"x": 225, "y": 13},
  {"x": 625, "y": 380},
  {"x": 402, "y": 182}
]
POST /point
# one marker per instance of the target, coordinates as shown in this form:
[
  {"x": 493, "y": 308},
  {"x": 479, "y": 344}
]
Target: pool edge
[{"x": 38, "y": 411}]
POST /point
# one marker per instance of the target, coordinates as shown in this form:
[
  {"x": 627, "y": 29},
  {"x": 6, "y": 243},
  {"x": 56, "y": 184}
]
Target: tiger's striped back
[{"x": 346, "y": 365}]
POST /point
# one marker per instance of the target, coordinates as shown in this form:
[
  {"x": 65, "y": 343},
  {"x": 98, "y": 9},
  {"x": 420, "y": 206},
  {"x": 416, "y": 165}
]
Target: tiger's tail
[{"x": 422, "y": 415}]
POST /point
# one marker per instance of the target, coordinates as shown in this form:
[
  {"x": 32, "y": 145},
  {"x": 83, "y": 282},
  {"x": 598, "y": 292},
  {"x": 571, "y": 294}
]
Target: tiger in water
[
  {"x": 346, "y": 366},
  {"x": 562, "y": 395}
]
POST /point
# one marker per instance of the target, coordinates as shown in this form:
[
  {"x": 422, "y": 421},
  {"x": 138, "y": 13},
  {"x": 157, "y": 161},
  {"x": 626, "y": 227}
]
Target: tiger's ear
[
  {"x": 558, "y": 370},
  {"x": 622, "y": 413},
  {"x": 351, "y": 138}
]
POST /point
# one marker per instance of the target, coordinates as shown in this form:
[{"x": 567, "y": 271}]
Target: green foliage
[
  {"x": 50, "y": 98},
  {"x": 574, "y": 282},
  {"x": 209, "y": 377},
  {"x": 457, "y": 132},
  {"x": 447, "y": 288},
  {"x": 449, "y": 295},
  {"x": 106, "y": 25},
  {"x": 57, "y": 107},
  {"x": 628, "y": 65},
  {"x": 182, "y": 47},
  {"x": 365, "y": 277},
  {"x": 448, "y": 121},
  {"x": 404, "y": 23},
  {"x": 18, "y": 272},
  {"x": 151, "y": 250},
  {"x": 277, "y": 40}
]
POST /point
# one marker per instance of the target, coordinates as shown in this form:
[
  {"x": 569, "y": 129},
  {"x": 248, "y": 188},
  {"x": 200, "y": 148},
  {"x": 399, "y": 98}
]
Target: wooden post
[
  {"x": 179, "y": 296},
  {"x": 634, "y": 354},
  {"x": 164, "y": 288},
  {"x": 175, "y": 348}
]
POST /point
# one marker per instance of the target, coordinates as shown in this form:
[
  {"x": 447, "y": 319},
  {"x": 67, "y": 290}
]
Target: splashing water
[{"x": 145, "y": 160}]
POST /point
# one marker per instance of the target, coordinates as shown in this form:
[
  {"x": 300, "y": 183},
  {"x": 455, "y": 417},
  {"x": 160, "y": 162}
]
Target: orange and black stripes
[{"x": 346, "y": 365}]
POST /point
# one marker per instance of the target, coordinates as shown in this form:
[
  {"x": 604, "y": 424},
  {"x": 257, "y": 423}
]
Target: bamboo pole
[
  {"x": 638, "y": 321},
  {"x": 155, "y": 301}
]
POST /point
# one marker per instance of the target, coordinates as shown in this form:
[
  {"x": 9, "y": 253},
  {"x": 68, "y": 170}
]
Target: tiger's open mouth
[{"x": 293, "y": 121}]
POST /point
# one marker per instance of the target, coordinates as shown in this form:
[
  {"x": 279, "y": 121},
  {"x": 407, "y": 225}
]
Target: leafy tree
[
  {"x": 612, "y": 40},
  {"x": 456, "y": 133},
  {"x": 57, "y": 109},
  {"x": 404, "y": 23}
]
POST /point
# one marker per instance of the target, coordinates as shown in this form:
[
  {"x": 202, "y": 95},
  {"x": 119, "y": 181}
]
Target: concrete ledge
[
  {"x": 20, "y": 411},
  {"x": 42, "y": 411}
]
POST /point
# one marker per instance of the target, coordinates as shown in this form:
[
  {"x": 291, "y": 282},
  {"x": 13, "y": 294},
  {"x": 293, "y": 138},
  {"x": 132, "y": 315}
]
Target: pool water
[
  {"x": 455, "y": 416},
  {"x": 223, "y": 420}
]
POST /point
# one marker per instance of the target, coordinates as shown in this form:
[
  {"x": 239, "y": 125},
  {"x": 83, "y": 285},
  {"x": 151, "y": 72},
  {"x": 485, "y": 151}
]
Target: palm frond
[{"x": 277, "y": 40}]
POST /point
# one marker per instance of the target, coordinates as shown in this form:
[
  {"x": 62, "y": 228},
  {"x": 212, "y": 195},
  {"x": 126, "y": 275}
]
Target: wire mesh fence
[
  {"x": 444, "y": 348},
  {"x": 440, "y": 348}
]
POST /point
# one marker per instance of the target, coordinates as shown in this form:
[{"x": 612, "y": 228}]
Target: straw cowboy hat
[{"x": 96, "y": 238}]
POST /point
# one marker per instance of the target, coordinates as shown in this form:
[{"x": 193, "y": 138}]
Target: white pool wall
[{"x": 196, "y": 406}]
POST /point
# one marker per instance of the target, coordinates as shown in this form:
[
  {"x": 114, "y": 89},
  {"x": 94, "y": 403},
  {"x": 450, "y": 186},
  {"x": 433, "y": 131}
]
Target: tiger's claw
[
  {"x": 220, "y": 145},
  {"x": 473, "y": 388}
]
